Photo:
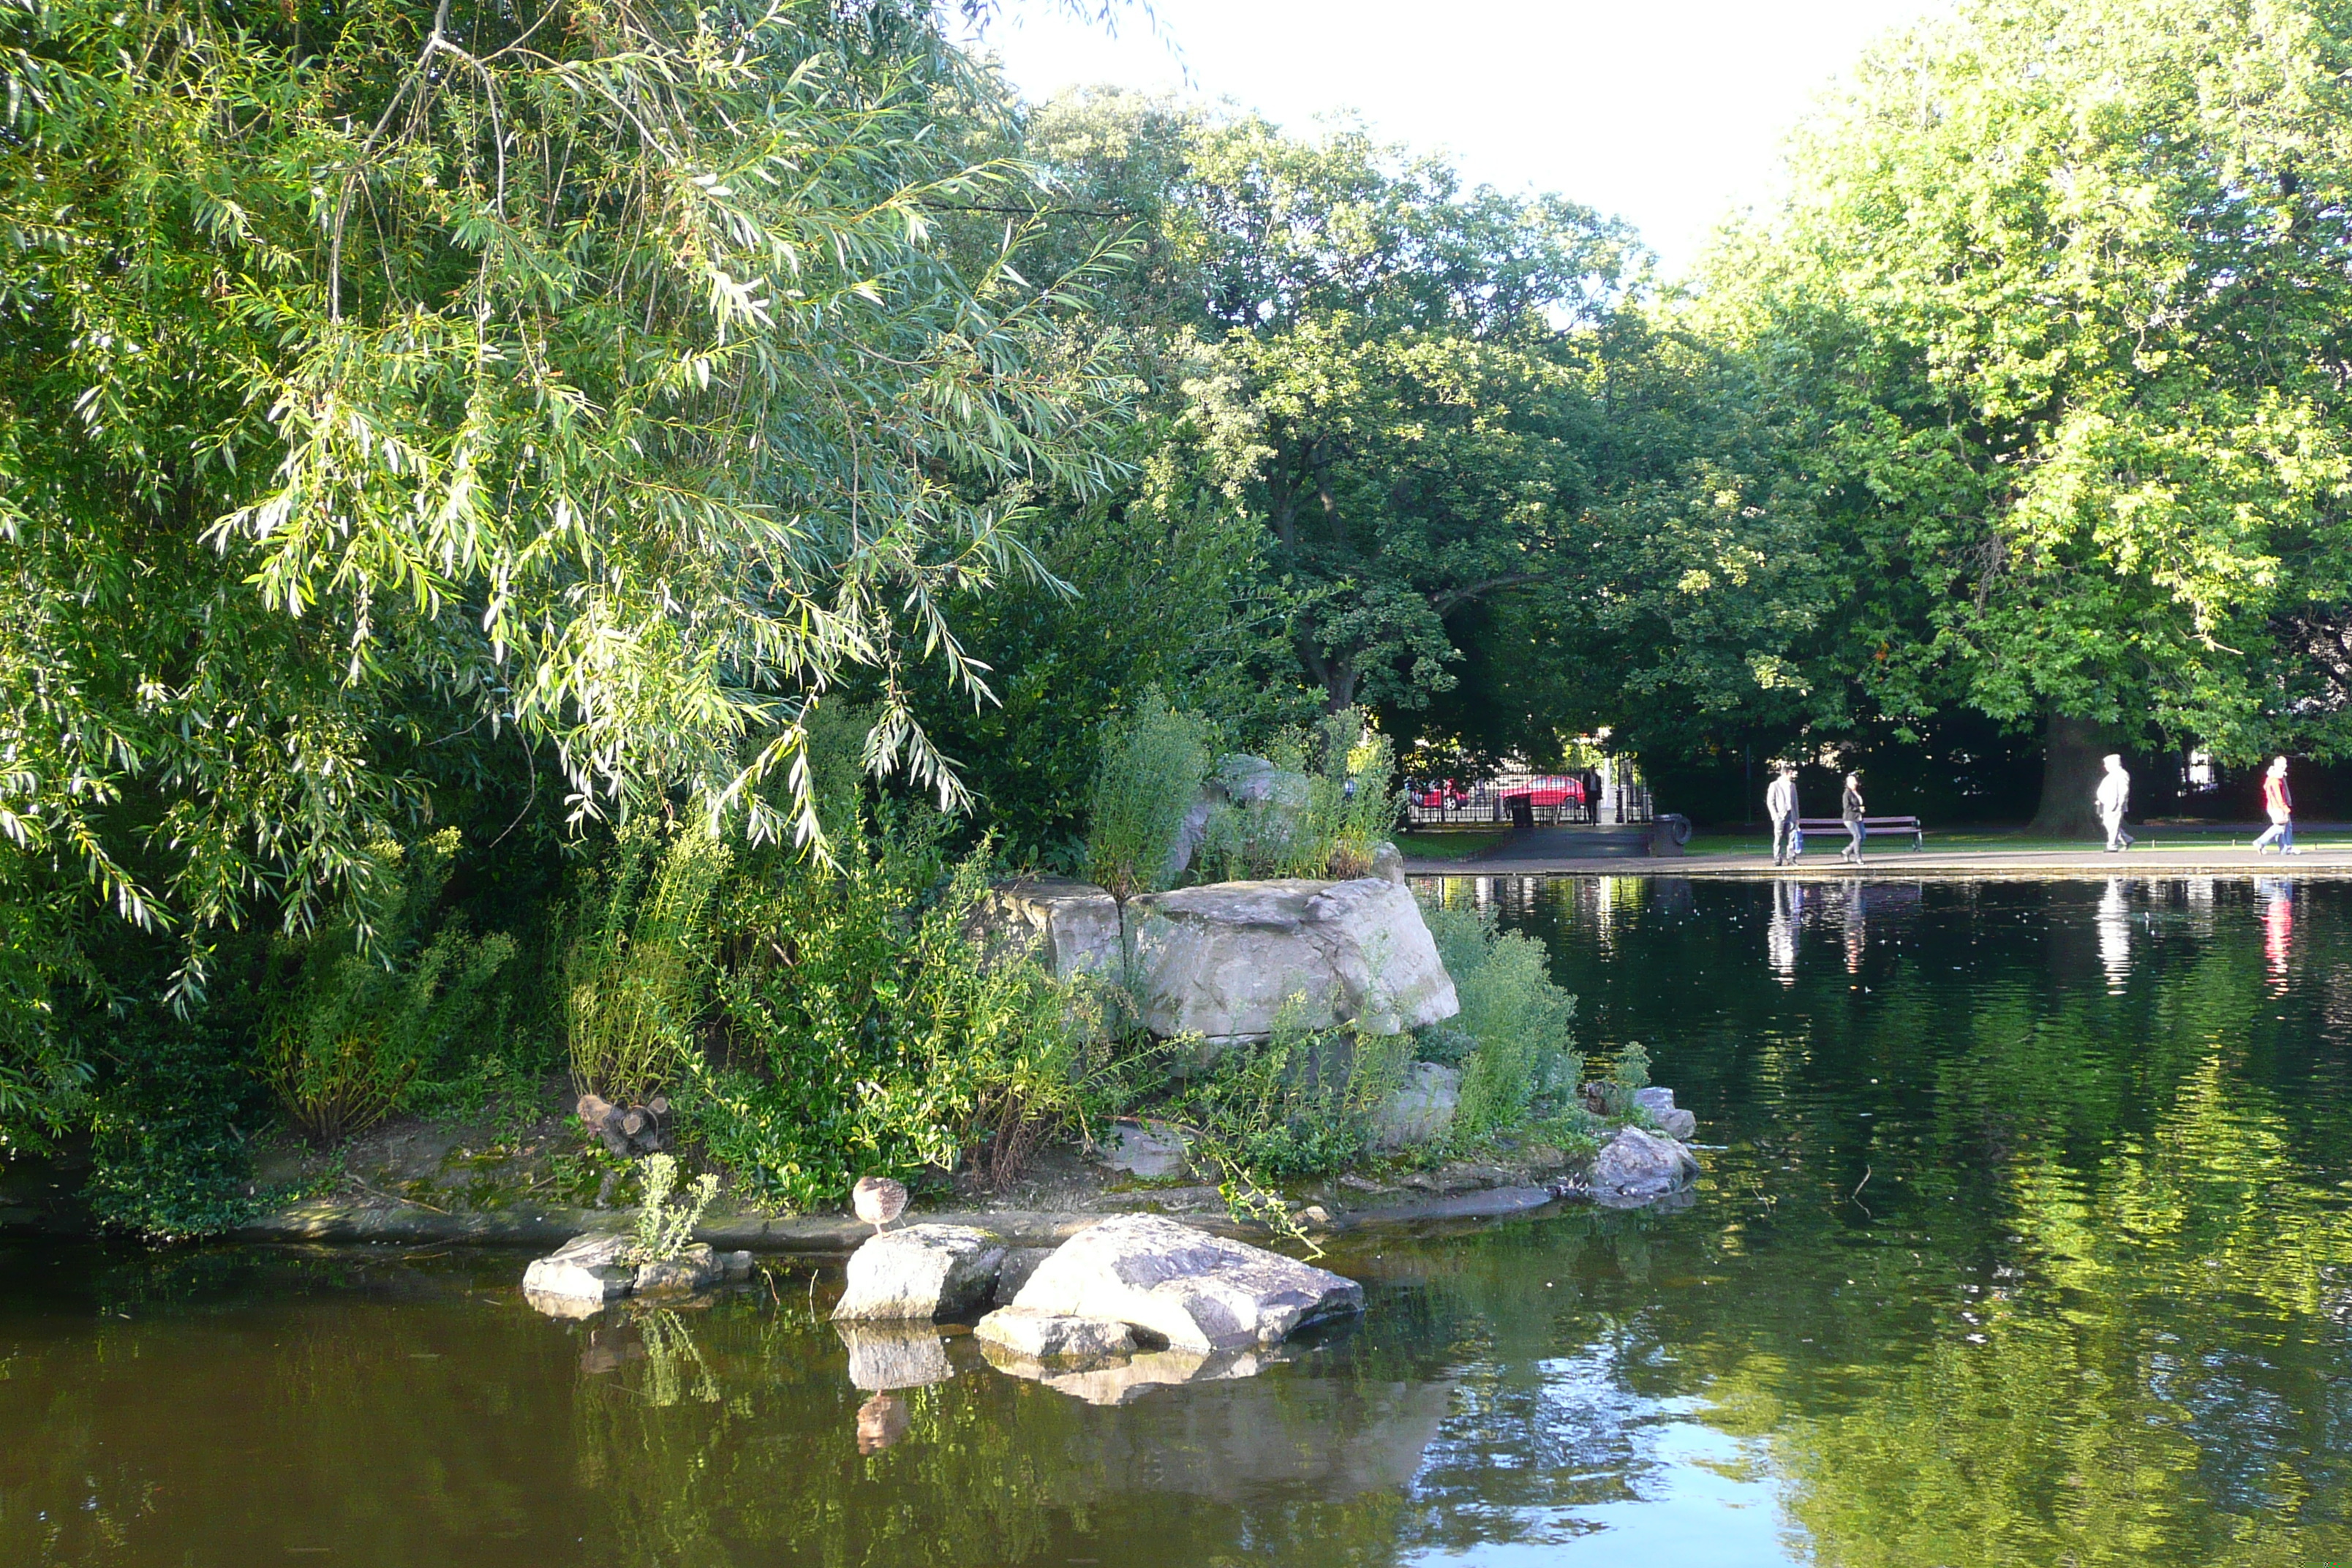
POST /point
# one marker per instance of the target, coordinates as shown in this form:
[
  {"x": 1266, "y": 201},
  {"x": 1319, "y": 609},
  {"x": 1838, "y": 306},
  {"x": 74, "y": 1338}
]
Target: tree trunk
[
  {"x": 1339, "y": 685},
  {"x": 2071, "y": 753}
]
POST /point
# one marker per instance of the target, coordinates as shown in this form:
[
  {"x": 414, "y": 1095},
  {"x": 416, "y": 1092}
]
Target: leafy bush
[
  {"x": 348, "y": 1028},
  {"x": 169, "y": 1152},
  {"x": 1523, "y": 1066},
  {"x": 866, "y": 1032},
  {"x": 637, "y": 967},
  {"x": 1149, "y": 775}
]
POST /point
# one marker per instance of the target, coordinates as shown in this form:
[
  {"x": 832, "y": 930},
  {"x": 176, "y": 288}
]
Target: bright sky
[{"x": 1668, "y": 112}]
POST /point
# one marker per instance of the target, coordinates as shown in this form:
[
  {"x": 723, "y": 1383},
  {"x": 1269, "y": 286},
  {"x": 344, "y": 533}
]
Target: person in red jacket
[{"x": 2280, "y": 805}]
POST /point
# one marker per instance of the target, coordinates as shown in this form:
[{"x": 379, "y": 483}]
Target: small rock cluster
[
  {"x": 1166, "y": 1302},
  {"x": 586, "y": 1272}
]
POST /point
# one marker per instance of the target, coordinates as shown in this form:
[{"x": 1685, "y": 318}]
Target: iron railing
[{"x": 1553, "y": 799}]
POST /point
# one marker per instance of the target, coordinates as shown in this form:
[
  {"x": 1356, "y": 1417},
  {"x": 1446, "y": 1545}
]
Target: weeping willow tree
[{"x": 388, "y": 390}]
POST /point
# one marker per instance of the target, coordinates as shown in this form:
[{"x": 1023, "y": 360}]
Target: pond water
[{"x": 2032, "y": 1245}]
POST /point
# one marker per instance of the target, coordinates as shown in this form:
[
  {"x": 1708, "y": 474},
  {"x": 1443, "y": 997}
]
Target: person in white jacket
[
  {"x": 2112, "y": 800},
  {"x": 1780, "y": 805}
]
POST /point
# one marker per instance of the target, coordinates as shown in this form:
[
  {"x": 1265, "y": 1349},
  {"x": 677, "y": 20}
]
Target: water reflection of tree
[{"x": 2032, "y": 1249}]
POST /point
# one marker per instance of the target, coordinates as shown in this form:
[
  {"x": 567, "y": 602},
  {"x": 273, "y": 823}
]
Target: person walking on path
[
  {"x": 1850, "y": 809},
  {"x": 1780, "y": 805},
  {"x": 2280, "y": 805},
  {"x": 2112, "y": 799}
]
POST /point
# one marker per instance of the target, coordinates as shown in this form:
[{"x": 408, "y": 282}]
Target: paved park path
[{"x": 2192, "y": 857}]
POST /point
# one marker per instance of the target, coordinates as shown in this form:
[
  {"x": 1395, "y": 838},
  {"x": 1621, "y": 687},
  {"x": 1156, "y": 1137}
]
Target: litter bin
[
  {"x": 1669, "y": 833},
  {"x": 1523, "y": 813}
]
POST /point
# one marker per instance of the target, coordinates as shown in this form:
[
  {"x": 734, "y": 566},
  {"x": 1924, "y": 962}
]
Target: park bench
[{"x": 1810, "y": 826}]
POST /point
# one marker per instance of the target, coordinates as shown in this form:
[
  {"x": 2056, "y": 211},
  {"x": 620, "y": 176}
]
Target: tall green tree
[
  {"x": 390, "y": 393},
  {"x": 2056, "y": 312}
]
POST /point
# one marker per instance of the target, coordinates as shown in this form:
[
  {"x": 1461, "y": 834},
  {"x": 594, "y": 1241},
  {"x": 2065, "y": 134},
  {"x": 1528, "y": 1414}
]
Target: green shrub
[
  {"x": 347, "y": 1030},
  {"x": 43, "y": 1080},
  {"x": 1523, "y": 1067},
  {"x": 1153, "y": 763},
  {"x": 170, "y": 1156},
  {"x": 1299, "y": 1105},
  {"x": 867, "y": 1034},
  {"x": 637, "y": 964}
]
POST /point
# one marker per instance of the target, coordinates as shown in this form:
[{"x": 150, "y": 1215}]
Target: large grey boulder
[
  {"x": 1388, "y": 863},
  {"x": 1055, "y": 1336},
  {"x": 1070, "y": 927},
  {"x": 1420, "y": 1111},
  {"x": 1193, "y": 1291},
  {"x": 591, "y": 1267},
  {"x": 923, "y": 1272},
  {"x": 1220, "y": 961},
  {"x": 1637, "y": 1167}
]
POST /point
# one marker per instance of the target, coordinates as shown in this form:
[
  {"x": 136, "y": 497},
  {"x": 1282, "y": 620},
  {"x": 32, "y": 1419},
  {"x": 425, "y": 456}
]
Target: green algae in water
[{"x": 2032, "y": 1244}]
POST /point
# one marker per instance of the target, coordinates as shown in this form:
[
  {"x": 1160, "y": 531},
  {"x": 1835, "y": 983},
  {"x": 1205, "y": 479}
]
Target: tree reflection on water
[{"x": 2032, "y": 1244}]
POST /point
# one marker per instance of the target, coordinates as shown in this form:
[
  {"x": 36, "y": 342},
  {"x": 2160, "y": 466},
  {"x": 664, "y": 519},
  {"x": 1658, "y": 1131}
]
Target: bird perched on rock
[{"x": 877, "y": 1200}]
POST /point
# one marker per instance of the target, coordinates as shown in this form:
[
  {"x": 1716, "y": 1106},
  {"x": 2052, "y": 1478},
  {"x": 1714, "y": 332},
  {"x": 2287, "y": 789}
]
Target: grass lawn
[{"x": 1455, "y": 846}]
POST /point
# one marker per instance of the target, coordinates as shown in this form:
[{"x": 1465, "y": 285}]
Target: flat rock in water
[
  {"x": 923, "y": 1272},
  {"x": 1042, "y": 1336},
  {"x": 1637, "y": 1167},
  {"x": 883, "y": 1356},
  {"x": 590, "y": 1267},
  {"x": 1195, "y": 1290},
  {"x": 693, "y": 1269}
]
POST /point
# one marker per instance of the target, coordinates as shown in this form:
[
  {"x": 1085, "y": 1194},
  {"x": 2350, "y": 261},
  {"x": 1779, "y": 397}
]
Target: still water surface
[{"x": 2032, "y": 1245}]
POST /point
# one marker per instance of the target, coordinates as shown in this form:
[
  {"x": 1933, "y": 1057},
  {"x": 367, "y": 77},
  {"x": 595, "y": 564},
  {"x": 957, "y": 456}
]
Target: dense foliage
[{"x": 513, "y": 437}]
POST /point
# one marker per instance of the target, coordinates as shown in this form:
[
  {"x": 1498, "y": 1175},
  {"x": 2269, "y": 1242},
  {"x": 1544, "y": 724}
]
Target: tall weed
[
  {"x": 1334, "y": 802},
  {"x": 346, "y": 1030},
  {"x": 1153, "y": 761},
  {"x": 637, "y": 964},
  {"x": 1299, "y": 1105}
]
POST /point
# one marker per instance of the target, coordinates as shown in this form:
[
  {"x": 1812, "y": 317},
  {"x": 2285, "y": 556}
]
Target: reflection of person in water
[
  {"x": 2278, "y": 926},
  {"x": 1780, "y": 932},
  {"x": 2115, "y": 935},
  {"x": 1857, "y": 935}
]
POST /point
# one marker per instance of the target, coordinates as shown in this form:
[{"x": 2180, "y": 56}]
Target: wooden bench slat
[{"x": 1870, "y": 824}]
